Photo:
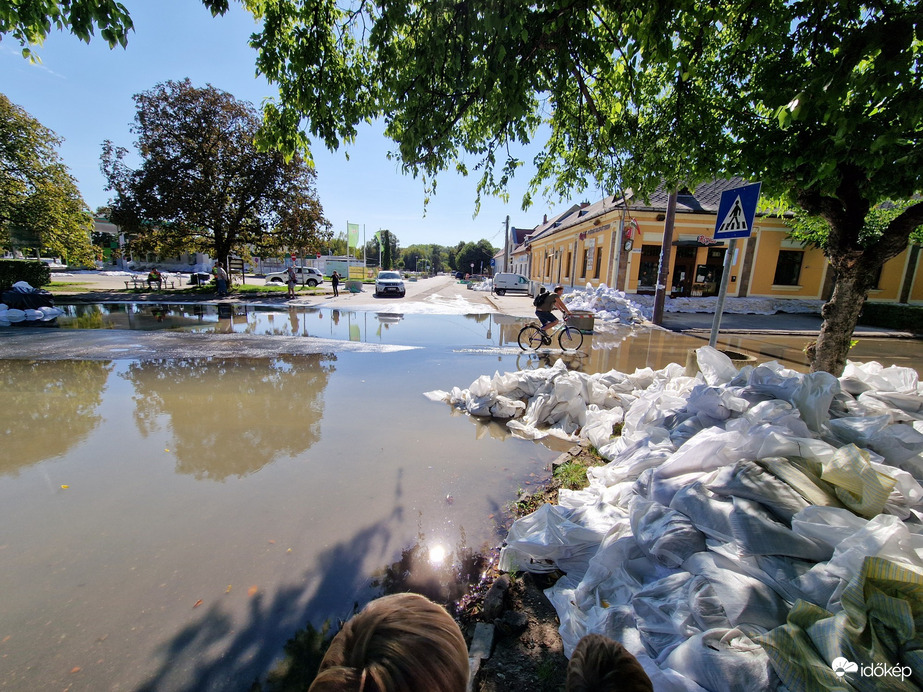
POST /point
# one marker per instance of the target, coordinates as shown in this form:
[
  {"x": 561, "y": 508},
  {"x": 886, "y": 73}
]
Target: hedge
[
  {"x": 907, "y": 318},
  {"x": 33, "y": 272}
]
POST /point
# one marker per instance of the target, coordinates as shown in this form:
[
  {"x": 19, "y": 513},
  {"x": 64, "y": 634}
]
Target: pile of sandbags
[
  {"x": 609, "y": 305},
  {"x": 759, "y": 529},
  {"x": 25, "y": 304}
]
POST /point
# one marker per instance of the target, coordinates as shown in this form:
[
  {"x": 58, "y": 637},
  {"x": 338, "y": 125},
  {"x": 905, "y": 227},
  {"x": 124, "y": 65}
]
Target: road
[{"x": 439, "y": 294}]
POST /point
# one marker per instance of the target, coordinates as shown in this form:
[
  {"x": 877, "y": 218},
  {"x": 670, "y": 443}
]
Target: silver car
[
  {"x": 389, "y": 283},
  {"x": 304, "y": 276}
]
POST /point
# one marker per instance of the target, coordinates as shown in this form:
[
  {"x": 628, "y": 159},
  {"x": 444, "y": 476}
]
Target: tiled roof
[{"x": 705, "y": 198}]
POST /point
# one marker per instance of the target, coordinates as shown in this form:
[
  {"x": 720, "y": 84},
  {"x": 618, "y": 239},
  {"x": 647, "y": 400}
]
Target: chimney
[{"x": 545, "y": 220}]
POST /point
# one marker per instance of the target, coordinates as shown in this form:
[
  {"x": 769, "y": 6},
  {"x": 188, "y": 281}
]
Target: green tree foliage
[
  {"x": 30, "y": 21},
  {"x": 422, "y": 257},
  {"x": 820, "y": 101},
  {"x": 388, "y": 250},
  {"x": 203, "y": 184},
  {"x": 479, "y": 254},
  {"x": 40, "y": 206}
]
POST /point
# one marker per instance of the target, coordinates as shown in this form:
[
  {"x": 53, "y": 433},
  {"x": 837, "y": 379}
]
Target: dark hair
[
  {"x": 558, "y": 288},
  {"x": 398, "y": 643},
  {"x": 600, "y": 664}
]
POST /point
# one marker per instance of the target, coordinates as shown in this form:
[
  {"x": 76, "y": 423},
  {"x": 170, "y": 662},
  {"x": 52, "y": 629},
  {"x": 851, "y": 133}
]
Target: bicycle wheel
[
  {"x": 570, "y": 339},
  {"x": 530, "y": 338}
]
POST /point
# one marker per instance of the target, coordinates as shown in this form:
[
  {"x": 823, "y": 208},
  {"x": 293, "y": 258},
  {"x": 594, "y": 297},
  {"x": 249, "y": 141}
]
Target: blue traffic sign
[
  {"x": 736, "y": 211},
  {"x": 493, "y": 262}
]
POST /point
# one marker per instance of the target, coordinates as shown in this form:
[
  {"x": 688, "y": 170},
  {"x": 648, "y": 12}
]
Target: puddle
[{"x": 171, "y": 521}]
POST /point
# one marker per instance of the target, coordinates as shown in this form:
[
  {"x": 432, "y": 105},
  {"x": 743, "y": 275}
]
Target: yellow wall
[
  {"x": 771, "y": 237},
  {"x": 916, "y": 291},
  {"x": 892, "y": 278}
]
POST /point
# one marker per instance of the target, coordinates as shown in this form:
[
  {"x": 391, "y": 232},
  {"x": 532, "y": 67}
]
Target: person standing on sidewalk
[
  {"x": 221, "y": 278},
  {"x": 335, "y": 281},
  {"x": 290, "y": 273}
]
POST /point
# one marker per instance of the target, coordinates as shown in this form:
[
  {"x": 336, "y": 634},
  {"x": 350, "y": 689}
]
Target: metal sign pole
[{"x": 722, "y": 291}]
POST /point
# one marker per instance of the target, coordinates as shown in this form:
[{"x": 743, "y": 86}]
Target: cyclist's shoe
[{"x": 546, "y": 339}]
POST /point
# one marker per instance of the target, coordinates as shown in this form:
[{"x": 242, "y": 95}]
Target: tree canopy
[
  {"x": 822, "y": 102},
  {"x": 474, "y": 258},
  {"x": 203, "y": 184},
  {"x": 40, "y": 206}
]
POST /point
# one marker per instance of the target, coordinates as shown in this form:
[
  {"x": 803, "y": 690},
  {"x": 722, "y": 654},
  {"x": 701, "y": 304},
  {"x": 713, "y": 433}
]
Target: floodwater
[{"x": 170, "y": 522}]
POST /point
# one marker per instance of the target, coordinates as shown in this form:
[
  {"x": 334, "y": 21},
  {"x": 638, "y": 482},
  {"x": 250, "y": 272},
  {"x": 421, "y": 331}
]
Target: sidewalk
[{"x": 793, "y": 324}]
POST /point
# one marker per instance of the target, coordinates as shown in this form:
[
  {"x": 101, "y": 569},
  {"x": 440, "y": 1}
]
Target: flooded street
[
  {"x": 175, "y": 509},
  {"x": 171, "y": 523}
]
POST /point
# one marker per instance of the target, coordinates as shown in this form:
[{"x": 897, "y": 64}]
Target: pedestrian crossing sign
[{"x": 736, "y": 211}]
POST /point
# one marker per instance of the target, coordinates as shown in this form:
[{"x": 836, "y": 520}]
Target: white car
[
  {"x": 304, "y": 276},
  {"x": 389, "y": 283}
]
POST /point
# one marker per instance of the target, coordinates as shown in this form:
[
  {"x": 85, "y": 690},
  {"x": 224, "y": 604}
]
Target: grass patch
[
  {"x": 68, "y": 287},
  {"x": 570, "y": 475}
]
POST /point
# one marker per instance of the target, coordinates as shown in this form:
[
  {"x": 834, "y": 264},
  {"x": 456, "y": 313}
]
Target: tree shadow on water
[{"x": 217, "y": 653}]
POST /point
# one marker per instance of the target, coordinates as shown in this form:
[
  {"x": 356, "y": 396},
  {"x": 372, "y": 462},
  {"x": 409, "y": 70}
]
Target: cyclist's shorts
[{"x": 545, "y": 316}]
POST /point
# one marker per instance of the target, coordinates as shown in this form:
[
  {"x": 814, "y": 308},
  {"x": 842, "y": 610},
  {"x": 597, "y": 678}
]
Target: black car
[{"x": 459, "y": 275}]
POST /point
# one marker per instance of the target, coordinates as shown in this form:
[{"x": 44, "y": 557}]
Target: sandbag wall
[{"x": 752, "y": 529}]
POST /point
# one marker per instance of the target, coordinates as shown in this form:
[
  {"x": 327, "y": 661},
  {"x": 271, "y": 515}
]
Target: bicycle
[{"x": 531, "y": 337}]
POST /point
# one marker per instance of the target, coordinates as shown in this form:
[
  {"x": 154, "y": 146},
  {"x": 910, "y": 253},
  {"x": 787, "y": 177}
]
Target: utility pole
[
  {"x": 665, "y": 250},
  {"x": 506, "y": 247}
]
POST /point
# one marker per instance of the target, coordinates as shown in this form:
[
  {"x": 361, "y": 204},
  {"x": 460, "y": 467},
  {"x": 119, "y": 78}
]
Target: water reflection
[
  {"x": 231, "y": 417},
  {"x": 49, "y": 407}
]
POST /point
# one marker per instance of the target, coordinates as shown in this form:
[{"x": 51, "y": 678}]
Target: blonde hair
[
  {"x": 600, "y": 664},
  {"x": 399, "y": 643}
]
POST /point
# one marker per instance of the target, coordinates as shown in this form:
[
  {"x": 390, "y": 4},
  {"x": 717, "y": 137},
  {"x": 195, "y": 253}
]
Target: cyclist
[{"x": 543, "y": 310}]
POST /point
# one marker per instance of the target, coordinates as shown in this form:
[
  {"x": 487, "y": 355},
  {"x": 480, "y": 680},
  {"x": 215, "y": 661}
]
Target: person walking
[
  {"x": 221, "y": 278},
  {"x": 335, "y": 281}
]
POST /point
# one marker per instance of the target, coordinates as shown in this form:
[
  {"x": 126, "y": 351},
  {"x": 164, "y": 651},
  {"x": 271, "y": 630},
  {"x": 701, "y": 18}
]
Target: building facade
[{"x": 617, "y": 241}]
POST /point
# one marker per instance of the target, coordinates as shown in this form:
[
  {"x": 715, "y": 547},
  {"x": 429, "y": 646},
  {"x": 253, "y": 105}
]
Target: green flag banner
[{"x": 352, "y": 235}]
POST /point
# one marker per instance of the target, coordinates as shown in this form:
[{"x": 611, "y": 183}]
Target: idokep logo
[
  {"x": 841, "y": 666},
  {"x": 878, "y": 670}
]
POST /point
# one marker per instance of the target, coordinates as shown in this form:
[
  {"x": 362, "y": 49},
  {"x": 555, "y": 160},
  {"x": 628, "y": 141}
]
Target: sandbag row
[{"x": 758, "y": 529}]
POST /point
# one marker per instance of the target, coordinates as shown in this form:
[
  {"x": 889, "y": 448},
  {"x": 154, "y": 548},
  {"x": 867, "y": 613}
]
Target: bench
[{"x": 138, "y": 282}]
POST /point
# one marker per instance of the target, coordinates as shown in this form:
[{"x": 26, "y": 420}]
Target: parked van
[{"x": 506, "y": 281}]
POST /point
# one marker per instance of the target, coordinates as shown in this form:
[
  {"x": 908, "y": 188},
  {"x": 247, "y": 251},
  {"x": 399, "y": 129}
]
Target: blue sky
[{"x": 83, "y": 92}]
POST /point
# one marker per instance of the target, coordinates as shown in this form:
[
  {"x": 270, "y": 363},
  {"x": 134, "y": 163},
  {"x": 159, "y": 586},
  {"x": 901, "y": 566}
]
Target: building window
[
  {"x": 567, "y": 266},
  {"x": 589, "y": 256},
  {"x": 599, "y": 263},
  {"x": 788, "y": 268},
  {"x": 647, "y": 272}
]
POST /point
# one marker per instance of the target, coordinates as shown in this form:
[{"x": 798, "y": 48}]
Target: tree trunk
[{"x": 841, "y": 314}]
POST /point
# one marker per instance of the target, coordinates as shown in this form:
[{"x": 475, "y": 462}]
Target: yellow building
[{"x": 617, "y": 242}]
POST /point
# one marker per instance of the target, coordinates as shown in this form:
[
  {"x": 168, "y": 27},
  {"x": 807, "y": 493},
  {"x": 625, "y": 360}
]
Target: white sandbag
[
  {"x": 50, "y": 313},
  {"x": 746, "y": 601},
  {"x": 715, "y": 365},
  {"x": 724, "y": 659},
  {"x": 860, "y": 377},
  {"x": 813, "y": 396},
  {"x": 15, "y": 315},
  {"x": 598, "y": 429},
  {"x": 708, "y": 511},
  {"x": 665, "y": 535},
  {"x": 547, "y": 540},
  {"x": 884, "y": 536},
  {"x": 747, "y": 479}
]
